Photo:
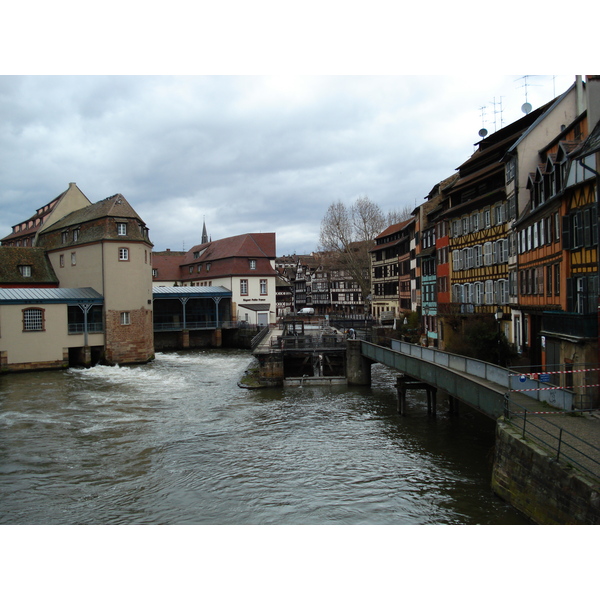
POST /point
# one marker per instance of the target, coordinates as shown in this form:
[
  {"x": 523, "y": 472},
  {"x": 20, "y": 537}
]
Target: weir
[{"x": 302, "y": 352}]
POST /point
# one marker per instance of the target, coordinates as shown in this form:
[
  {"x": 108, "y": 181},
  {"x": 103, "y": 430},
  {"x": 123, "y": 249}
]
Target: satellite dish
[
  {"x": 483, "y": 132},
  {"x": 526, "y": 108}
]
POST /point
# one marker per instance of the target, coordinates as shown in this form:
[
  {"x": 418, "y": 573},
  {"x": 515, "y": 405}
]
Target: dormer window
[
  {"x": 25, "y": 270},
  {"x": 75, "y": 234},
  {"x": 121, "y": 228},
  {"x": 65, "y": 237},
  {"x": 252, "y": 262}
]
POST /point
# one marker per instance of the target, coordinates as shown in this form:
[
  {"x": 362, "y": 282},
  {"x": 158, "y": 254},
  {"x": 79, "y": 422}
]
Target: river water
[{"x": 177, "y": 441}]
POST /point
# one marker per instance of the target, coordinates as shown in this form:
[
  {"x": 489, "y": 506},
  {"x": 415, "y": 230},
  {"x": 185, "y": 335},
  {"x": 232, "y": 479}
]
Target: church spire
[{"x": 204, "y": 234}]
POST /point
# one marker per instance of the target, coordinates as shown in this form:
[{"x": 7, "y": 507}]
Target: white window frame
[
  {"x": 478, "y": 300},
  {"x": 488, "y": 255},
  {"x": 123, "y": 254},
  {"x": 456, "y": 260},
  {"x": 489, "y": 291},
  {"x": 125, "y": 318},
  {"x": 465, "y": 225},
  {"x": 121, "y": 228},
  {"x": 487, "y": 220},
  {"x": 469, "y": 258},
  {"x": 478, "y": 259}
]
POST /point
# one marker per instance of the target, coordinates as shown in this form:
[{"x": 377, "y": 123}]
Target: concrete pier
[{"x": 358, "y": 367}]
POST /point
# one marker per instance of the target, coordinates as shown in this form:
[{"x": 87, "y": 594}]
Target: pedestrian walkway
[
  {"x": 572, "y": 437},
  {"x": 568, "y": 436}
]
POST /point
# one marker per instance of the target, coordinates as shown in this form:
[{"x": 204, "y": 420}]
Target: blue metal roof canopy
[
  {"x": 50, "y": 296},
  {"x": 184, "y": 293},
  {"x": 214, "y": 291}
]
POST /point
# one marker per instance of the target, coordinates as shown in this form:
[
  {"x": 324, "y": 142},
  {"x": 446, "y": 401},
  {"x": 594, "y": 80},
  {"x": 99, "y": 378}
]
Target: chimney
[
  {"x": 592, "y": 90},
  {"x": 580, "y": 98}
]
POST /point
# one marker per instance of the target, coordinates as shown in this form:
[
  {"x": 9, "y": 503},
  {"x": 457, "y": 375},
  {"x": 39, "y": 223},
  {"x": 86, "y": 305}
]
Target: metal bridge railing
[
  {"x": 91, "y": 327},
  {"x": 325, "y": 342},
  {"x": 560, "y": 440},
  {"x": 258, "y": 338}
]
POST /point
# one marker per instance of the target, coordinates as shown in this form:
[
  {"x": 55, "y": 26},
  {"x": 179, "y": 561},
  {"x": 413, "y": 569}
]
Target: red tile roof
[
  {"x": 226, "y": 257},
  {"x": 247, "y": 245},
  {"x": 167, "y": 263},
  {"x": 393, "y": 229}
]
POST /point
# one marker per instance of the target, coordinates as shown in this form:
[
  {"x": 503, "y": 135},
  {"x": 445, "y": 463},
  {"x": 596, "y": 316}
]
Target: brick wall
[{"x": 133, "y": 343}]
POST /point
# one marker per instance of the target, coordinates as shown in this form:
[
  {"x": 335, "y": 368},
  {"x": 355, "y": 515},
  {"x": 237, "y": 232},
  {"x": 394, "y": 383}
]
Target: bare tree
[
  {"x": 398, "y": 216},
  {"x": 347, "y": 236}
]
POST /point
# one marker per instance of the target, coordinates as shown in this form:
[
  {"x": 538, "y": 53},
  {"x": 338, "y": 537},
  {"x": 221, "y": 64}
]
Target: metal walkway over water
[
  {"x": 540, "y": 411},
  {"x": 481, "y": 385}
]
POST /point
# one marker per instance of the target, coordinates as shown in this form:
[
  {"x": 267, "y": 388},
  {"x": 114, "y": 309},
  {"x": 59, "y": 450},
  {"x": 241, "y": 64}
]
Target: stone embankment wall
[{"x": 548, "y": 492}]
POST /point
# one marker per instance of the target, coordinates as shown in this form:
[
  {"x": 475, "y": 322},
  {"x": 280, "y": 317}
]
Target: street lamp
[{"x": 499, "y": 314}]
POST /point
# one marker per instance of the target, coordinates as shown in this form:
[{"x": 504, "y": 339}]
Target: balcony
[{"x": 571, "y": 325}]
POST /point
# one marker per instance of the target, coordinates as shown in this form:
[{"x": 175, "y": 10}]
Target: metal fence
[
  {"x": 512, "y": 379},
  {"x": 565, "y": 385},
  {"x": 324, "y": 342},
  {"x": 91, "y": 327},
  {"x": 557, "y": 432},
  {"x": 199, "y": 325}
]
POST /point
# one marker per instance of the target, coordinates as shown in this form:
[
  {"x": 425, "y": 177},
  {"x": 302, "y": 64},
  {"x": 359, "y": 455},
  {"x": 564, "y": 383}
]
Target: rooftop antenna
[
  {"x": 526, "y": 108},
  {"x": 498, "y": 111},
  {"x": 483, "y": 131}
]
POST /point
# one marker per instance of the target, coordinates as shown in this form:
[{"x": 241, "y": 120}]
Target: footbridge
[{"x": 483, "y": 386}]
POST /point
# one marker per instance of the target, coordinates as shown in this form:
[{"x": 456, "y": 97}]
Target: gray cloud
[{"x": 244, "y": 153}]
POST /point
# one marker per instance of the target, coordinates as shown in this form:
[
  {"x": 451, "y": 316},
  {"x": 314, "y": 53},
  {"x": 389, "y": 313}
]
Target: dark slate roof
[
  {"x": 114, "y": 206},
  {"x": 12, "y": 257},
  {"x": 40, "y": 215},
  {"x": 49, "y": 296},
  {"x": 591, "y": 144}
]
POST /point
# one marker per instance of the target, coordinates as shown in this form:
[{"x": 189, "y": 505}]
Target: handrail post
[
  {"x": 524, "y": 421},
  {"x": 559, "y": 442}
]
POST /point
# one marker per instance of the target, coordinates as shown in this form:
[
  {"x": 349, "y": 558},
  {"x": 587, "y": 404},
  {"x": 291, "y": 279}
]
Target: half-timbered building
[{"x": 390, "y": 263}]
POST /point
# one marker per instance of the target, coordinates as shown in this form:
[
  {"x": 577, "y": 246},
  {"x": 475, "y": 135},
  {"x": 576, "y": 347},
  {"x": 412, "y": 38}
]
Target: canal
[{"x": 177, "y": 441}]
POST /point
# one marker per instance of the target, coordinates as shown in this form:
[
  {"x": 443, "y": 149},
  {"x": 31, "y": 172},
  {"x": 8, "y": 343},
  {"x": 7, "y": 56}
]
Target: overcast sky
[
  {"x": 80, "y": 100},
  {"x": 246, "y": 154},
  {"x": 263, "y": 153}
]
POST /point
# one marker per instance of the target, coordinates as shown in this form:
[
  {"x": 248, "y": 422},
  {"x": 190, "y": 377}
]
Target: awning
[{"x": 255, "y": 307}]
